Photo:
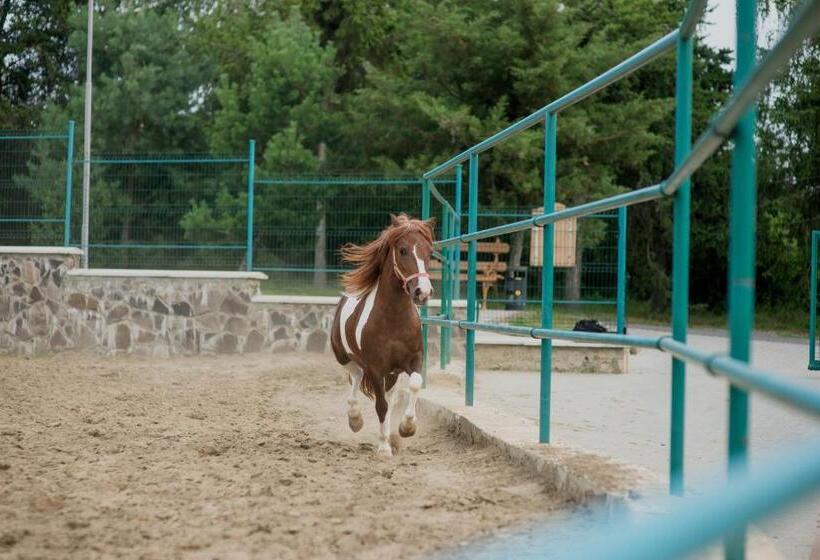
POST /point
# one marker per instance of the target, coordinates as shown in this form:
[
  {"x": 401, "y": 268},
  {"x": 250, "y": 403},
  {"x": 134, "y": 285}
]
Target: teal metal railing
[
  {"x": 736, "y": 121},
  {"x": 601, "y": 284},
  {"x": 814, "y": 302},
  {"x": 447, "y": 224},
  {"x": 34, "y": 165}
]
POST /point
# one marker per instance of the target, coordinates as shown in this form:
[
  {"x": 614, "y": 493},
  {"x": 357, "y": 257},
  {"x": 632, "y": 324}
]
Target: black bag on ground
[{"x": 589, "y": 325}]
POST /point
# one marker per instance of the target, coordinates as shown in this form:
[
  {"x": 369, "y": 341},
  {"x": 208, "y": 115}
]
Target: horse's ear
[
  {"x": 394, "y": 220},
  {"x": 431, "y": 223}
]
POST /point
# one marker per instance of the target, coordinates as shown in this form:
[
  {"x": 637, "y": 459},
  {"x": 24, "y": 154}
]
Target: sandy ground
[{"x": 230, "y": 457}]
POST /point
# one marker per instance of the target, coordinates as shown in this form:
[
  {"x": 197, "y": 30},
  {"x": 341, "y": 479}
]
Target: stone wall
[
  {"x": 48, "y": 304},
  {"x": 304, "y": 322},
  {"x": 33, "y": 318},
  {"x": 297, "y": 323},
  {"x": 165, "y": 313}
]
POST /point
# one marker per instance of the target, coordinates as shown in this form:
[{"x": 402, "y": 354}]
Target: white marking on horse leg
[
  {"x": 384, "y": 427},
  {"x": 363, "y": 318},
  {"x": 408, "y": 425},
  {"x": 397, "y": 411},
  {"x": 354, "y": 412},
  {"x": 424, "y": 282}
]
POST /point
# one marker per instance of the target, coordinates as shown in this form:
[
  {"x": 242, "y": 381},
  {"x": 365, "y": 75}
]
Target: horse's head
[{"x": 410, "y": 254}]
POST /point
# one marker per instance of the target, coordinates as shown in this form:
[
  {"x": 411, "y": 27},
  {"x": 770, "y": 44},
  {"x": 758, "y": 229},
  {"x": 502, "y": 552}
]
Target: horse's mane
[{"x": 368, "y": 258}]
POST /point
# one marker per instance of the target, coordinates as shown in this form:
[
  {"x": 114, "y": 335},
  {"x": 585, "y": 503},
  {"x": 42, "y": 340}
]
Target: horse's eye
[{"x": 402, "y": 251}]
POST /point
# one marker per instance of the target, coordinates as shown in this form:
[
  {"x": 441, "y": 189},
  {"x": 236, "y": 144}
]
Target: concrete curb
[{"x": 576, "y": 476}]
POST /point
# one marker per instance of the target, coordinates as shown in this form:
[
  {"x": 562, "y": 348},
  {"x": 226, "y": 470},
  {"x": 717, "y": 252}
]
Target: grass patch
[
  {"x": 563, "y": 316},
  {"x": 780, "y": 320}
]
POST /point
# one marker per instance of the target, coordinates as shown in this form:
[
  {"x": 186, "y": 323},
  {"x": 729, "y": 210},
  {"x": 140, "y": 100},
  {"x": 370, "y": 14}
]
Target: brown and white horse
[{"x": 376, "y": 332}]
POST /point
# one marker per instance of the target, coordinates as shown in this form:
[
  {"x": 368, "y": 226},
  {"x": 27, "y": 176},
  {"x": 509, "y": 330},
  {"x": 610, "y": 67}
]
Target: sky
[{"x": 718, "y": 31}]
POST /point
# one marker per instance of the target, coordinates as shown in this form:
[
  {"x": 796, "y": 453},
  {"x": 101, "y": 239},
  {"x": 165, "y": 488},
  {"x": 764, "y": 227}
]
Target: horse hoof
[
  {"x": 384, "y": 451},
  {"x": 355, "y": 422},
  {"x": 395, "y": 443},
  {"x": 407, "y": 428}
]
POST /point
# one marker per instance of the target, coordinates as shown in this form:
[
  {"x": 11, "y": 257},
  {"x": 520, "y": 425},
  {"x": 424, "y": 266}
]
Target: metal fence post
[
  {"x": 550, "y": 149},
  {"x": 69, "y": 182},
  {"x": 451, "y": 273},
  {"x": 680, "y": 262},
  {"x": 620, "y": 304},
  {"x": 444, "y": 331},
  {"x": 457, "y": 232},
  {"x": 742, "y": 210},
  {"x": 813, "y": 358},
  {"x": 251, "y": 173},
  {"x": 425, "y": 215},
  {"x": 472, "y": 226}
]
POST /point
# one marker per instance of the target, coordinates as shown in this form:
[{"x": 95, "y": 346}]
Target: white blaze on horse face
[
  {"x": 347, "y": 310},
  {"x": 368, "y": 309},
  {"x": 423, "y": 282}
]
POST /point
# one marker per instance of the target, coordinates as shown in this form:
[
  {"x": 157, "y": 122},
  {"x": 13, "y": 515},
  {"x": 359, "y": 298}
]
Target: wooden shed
[{"x": 566, "y": 232}]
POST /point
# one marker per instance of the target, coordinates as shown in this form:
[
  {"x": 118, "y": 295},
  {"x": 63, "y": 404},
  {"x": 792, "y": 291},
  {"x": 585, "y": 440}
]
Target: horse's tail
[{"x": 370, "y": 386}]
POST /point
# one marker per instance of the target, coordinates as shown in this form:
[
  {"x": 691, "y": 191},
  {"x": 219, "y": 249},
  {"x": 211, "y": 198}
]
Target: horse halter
[{"x": 405, "y": 279}]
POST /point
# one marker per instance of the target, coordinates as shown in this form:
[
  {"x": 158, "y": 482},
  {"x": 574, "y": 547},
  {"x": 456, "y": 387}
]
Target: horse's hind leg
[
  {"x": 407, "y": 427},
  {"x": 384, "y": 449},
  {"x": 354, "y": 413}
]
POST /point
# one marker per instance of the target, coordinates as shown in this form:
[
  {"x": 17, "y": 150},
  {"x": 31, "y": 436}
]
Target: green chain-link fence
[
  {"x": 191, "y": 212},
  {"x": 35, "y": 185},
  {"x": 301, "y": 222},
  {"x": 181, "y": 212}
]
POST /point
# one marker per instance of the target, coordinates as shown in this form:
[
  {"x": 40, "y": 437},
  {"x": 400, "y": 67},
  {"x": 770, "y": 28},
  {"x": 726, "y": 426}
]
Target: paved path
[{"x": 627, "y": 417}]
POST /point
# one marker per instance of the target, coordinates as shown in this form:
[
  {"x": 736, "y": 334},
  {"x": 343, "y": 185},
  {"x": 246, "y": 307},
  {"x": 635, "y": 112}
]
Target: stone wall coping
[
  {"x": 182, "y": 274},
  {"x": 313, "y": 300},
  {"x": 332, "y": 300},
  {"x": 26, "y": 250},
  {"x": 496, "y": 339}
]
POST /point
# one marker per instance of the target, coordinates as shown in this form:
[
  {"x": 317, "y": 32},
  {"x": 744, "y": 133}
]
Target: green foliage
[
  {"x": 286, "y": 151},
  {"x": 34, "y": 58},
  {"x": 147, "y": 87},
  {"x": 221, "y": 223},
  {"x": 288, "y": 84},
  {"x": 789, "y": 174}
]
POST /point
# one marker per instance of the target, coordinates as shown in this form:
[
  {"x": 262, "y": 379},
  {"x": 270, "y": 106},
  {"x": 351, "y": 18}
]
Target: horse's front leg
[
  {"x": 408, "y": 425},
  {"x": 397, "y": 404}
]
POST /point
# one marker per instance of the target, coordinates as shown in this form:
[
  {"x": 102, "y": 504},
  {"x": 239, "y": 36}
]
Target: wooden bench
[{"x": 488, "y": 271}]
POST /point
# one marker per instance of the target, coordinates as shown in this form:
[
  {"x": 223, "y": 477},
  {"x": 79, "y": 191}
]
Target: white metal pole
[{"x": 87, "y": 135}]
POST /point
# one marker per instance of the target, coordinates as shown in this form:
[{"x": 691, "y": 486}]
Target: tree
[
  {"x": 146, "y": 100},
  {"x": 35, "y": 60},
  {"x": 288, "y": 83},
  {"x": 394, "y": 88},
  {"x": 789, "y": 171}
]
